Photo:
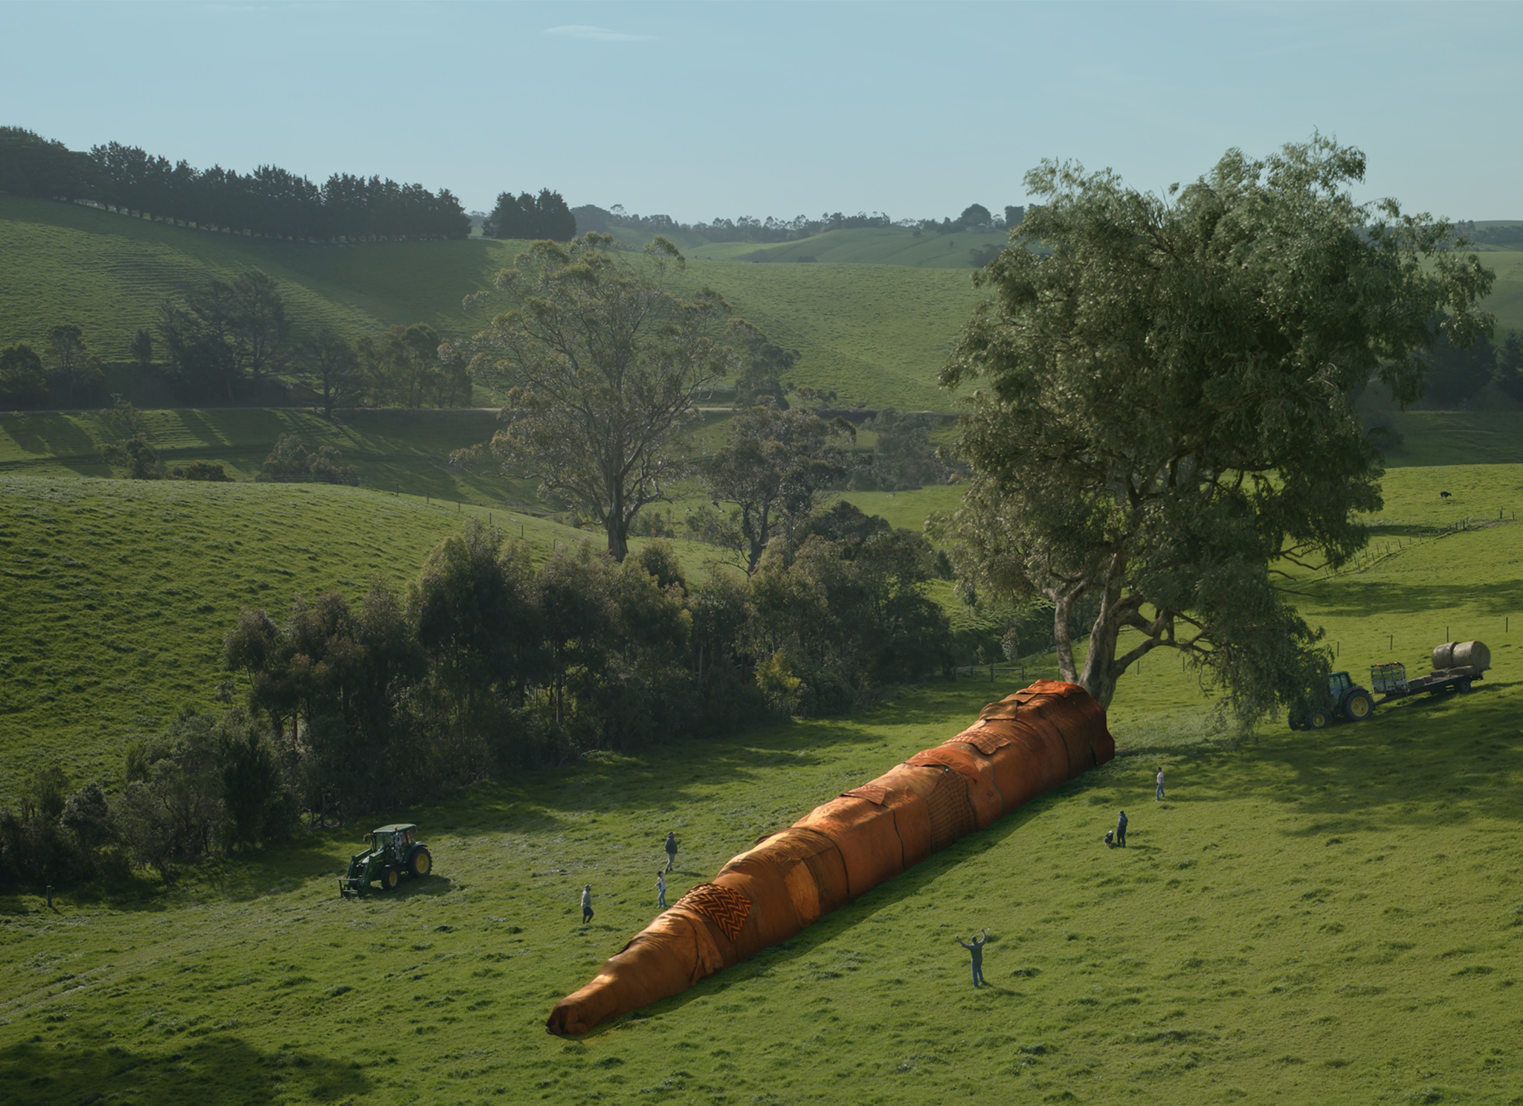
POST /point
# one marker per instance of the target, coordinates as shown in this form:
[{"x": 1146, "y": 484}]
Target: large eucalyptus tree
[
  {"x": 605, "y": 359},
  {"x": 1161, "y": 395}
]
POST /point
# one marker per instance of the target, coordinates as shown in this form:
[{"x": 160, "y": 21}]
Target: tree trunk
[
  {"x": 1100, "y": 671},
  {"x": 1062, "y": 604},
  {"x": 618, "y": 538}
]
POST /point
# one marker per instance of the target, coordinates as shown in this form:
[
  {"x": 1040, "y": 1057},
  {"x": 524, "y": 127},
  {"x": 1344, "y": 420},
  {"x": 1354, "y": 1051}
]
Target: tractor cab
[{"x": 394, "y": 852}]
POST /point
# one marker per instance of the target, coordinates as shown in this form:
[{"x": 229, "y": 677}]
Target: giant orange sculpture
[{"x": 1020, "y": 747}]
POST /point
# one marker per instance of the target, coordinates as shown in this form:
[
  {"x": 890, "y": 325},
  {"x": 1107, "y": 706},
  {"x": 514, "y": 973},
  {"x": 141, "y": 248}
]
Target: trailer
[{"x": 1456, "y": 665}]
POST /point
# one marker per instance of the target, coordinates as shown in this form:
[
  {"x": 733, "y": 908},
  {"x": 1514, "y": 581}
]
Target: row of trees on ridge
[{"x": 269, "y": 202}]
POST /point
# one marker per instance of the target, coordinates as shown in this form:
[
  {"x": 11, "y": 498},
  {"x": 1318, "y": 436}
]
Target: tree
[
  {"x": 476, "y": 618},
  {"x": 22, "y": 380},
  {"x": 74, "y": 369},
  {"x": 974, "y": 215},
  {"x": 330, "y": 365},
  {"x": 1509, "y": 366},
  {"x": 526, "y": 216},
  {"x": 772, "y": 467},
  {"x": 1162, "y": 410},
  {"x": 199, "y": 343},
  {"x": 606, "y": 364},
  {"x": 260, "y": 329},
  {"x": 763, "y": 365},
  {"x": 903, "y": 456},
  {"x": 141, "y": 348},
  {"x": 289, "y": 462},
  {"x": 403, "y": 364}
]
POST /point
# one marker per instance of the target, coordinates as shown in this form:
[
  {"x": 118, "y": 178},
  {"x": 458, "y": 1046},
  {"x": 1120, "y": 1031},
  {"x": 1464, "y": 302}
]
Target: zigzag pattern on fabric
[
  {"x": 951, "y": 811},
  {"x": 725, "y": 908}
]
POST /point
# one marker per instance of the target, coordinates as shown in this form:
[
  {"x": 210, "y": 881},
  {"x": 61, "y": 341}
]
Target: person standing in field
[
  {"x": 660, "y": 889},
  {"x": 1121, "y": 830},
  {"x": 671, "y": 849},
  {"x": 1158, "y": 798},
  {"x": 977, "y": 950},
  {"x": 586, "y": 904}
]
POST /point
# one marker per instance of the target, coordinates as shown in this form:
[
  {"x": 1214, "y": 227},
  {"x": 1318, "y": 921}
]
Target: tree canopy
[
  {"x": 1162, "y": 404},
  {"x": 526, "y": 216},
  {"x": 772, "y": 468},
  {"x": 606, "y": 362}
]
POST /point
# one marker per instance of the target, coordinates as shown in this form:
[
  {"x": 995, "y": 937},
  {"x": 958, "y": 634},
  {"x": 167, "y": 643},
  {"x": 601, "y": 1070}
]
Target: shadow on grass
[
  {"x": 1437, "y": 760},
  {"x": 678, "y": 772},
  {"x": 221, "y": 1069},
  {"x": 1352, "y": 597},
  {"x": 57, "y": 437}
]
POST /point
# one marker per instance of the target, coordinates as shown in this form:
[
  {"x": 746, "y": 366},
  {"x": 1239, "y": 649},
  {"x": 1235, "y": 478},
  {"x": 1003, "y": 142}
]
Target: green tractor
[
  {"x": 394, "y": 852},
  {"x": 1346, "y": 701}
]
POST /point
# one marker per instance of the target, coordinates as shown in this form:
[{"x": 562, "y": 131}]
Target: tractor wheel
[
  {"x": 1317, "y": 719},
  {"x": 1358, "y": 706},
  {"x": 421, "y": 862},
  {"x": 389, "y": 879}
]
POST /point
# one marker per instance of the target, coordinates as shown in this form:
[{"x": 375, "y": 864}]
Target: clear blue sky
[{"x": 705, "y": 109}]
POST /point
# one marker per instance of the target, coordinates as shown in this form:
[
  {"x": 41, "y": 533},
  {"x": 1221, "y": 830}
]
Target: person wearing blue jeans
[
  {"x": 977, "y": 949},
  {"x": 1121, "y": 830},
  {"x": 1158, "y": 797}
]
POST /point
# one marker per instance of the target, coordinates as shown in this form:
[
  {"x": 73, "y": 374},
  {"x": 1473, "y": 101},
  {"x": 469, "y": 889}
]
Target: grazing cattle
[{"x": 1444, "y": 495}]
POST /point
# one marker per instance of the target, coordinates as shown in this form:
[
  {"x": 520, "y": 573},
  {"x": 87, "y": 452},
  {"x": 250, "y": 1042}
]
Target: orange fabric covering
[{"x": 1021, "y": 747}]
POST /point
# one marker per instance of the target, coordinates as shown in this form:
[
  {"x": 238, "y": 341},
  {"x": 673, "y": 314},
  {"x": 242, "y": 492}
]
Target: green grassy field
[{"x": 1328, "y": 917}]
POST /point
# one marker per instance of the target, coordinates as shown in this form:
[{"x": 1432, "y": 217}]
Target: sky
[{"x": 702, "y": 110}]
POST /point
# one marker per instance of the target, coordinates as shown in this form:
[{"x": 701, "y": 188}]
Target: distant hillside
[
  {"x": 873, "y": 314},
  {"x": 109, "y": 272},
  {"x": 964, "y": 249},
  {"x": 875, "y": 334}
]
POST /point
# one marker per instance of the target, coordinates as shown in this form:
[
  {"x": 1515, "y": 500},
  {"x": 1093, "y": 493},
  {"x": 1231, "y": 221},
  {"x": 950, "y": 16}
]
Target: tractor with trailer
[
  {"x": 1456, "y": 665},
  {"x": 394, "y": 852}
]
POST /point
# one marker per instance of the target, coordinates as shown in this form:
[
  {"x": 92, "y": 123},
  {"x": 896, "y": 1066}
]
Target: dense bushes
[
  {"x": 206, "y": 784},
  {"x": 484, "y": 665},
  {"x": 290, "y": 462}
]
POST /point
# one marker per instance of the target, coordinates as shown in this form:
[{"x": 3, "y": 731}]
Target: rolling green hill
[
  {"x": 965, "y": 249},
  {"x": 876, "y": 334},
  {"x": 873, "y": 316},
  {"x": 115, "y": 595},
  {"x": 1328, "y": 917}
]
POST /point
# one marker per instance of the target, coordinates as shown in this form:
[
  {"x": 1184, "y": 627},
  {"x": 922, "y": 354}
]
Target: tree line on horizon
[
  {"x": 748, "y": 228},
  {"x": 269, "y": 202}
]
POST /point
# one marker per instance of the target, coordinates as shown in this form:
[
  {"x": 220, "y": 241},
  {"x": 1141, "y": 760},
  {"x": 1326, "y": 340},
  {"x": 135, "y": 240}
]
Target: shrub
[{"x": 200, "y": 470}]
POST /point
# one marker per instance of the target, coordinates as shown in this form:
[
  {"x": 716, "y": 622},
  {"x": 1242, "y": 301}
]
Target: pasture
[{"x": 1328, "y": 917}]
